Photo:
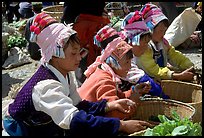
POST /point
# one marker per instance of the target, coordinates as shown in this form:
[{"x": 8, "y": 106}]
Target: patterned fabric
[
  {"x": 135, "y": 73},
  {"x": 104, "y": 33},
  {"x": 152, "y": 15},
  {"x": 50, "y": 36},
  {"x": 134, "y": 26},
  {"x": 115, "y": 48},
  {"x": 121, "y": 49},
  {"x": 22, "y": 108}
]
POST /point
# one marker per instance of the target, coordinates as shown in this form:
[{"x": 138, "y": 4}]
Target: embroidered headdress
[
  {"x": 133, "y": 26},
  {"x": 50, "y": 35}
]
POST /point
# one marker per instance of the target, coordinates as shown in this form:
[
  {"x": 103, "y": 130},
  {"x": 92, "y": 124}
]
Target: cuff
[{"x": 169, "y": 74}]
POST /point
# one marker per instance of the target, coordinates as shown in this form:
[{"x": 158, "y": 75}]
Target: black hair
[
  {"x": 145, "y": 35},
  {"x": 165, "y": 22},
  {"x": 73, "y": 39},
  {"x": 129, "y": 54},
  {"x": 72, "y": 9},
  {"x": 37, "y": 8},
  {"x": 105, "y": 42}
]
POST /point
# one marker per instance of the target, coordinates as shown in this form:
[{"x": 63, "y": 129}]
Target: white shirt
[{"x": 57, "y": 98}]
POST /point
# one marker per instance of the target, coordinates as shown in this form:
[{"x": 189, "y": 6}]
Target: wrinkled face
[
  {"x": 139, "y": 50},
  {"x": 159, "y": 32},
  {"x": 72, "y": 57},
  {"x": 125, "y": 64}
]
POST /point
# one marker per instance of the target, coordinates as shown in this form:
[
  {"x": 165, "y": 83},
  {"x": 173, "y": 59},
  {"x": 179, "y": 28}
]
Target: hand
[
  {"x": 195, "y": 38},
  {"x": 131, "y": 126},
  {"x": 143, "y": 87},
  {"x": 122, "y": 105},
  {"x": 191, "y": 69},
  {"x": 186, "y": 75}
]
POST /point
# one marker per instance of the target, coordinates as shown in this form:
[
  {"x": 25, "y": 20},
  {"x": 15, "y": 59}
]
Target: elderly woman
[{"x": 49, "y": 104}]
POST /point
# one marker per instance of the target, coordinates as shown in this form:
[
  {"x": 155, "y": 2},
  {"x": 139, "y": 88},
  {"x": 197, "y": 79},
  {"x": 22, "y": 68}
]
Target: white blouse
[{"x": 57, "y": 98}]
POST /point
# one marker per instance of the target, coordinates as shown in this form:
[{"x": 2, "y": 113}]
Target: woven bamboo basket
[
  {"x": 55, "y": 11},
  {"x": 157, "y": 106},
  {"x": 189, "y": 93},
  {"x": 116, "y": 8}
]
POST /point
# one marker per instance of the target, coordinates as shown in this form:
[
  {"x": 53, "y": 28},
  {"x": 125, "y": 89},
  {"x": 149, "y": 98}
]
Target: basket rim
[
  {"x": 48, "y": 7},
  {"x": 182, "y": 82},
  {"x": 171, "y": 101}
]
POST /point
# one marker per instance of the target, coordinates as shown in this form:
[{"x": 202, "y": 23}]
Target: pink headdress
[
  {"x": 116, "y": 48},
  {"x": 52, "y": 37},
  {"x": 152, "y": 15},
  {"x": 133, "y": 26}
]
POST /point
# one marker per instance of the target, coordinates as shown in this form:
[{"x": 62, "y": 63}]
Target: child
[
  {"x": 104, "y": 75},
  {"x": 159, "y": 53},
  {"x": 49, "y": 104},
  {"x": 139, "y": 35}
]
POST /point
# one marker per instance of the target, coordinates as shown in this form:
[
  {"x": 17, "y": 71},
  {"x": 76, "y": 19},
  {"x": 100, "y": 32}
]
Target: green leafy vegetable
[
  {"x": 16, "y": 41},
  {"x": 175, "y": 127}
]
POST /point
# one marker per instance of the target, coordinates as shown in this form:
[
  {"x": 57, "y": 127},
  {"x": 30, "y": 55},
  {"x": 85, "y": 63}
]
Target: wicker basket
[
  {"x": 116, "y": 8},
  {"x": 157, "y": 106},
  {"x": 185, "y": 92},
  {"x": 54, "y": 11}
]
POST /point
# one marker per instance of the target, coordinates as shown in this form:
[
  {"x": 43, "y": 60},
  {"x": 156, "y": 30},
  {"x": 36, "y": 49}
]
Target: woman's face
[
  {"x": 71, "y": 60},
  {"x": 125, "y": 64},
  {"x": 139, "y": 50},
  {"x": 159, "y": 32}
]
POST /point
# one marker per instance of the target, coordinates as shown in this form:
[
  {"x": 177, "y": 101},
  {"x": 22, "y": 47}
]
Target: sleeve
[
  {"x": 178, "y": 59},
  {"x": 86, "y": 124},
  {"x": 94, "y": 108},
  {"x": 107, "y": 90},
  {"x": 147, "y": 63},
  {"x": 48, "y": 96}
]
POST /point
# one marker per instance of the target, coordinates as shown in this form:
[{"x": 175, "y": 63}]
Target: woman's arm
[{"x": 147, "y": 63}]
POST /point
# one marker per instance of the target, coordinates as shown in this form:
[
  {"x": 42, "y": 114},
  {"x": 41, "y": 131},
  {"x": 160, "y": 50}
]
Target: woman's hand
[
  {"x": 195, "y": 38},
  {"x": 122, "y": 105},
  {"x": 143, "y": 87},
  {"x": 186, "y": 75},
  {"x": 131, "y": 126}
]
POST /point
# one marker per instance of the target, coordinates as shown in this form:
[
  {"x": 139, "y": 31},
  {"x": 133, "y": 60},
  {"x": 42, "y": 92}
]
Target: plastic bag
[{"x": 182, "y": 27}]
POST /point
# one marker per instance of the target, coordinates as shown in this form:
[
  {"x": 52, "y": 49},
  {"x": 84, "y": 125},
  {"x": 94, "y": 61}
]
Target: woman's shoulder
[{"x": 100, "y": 73}]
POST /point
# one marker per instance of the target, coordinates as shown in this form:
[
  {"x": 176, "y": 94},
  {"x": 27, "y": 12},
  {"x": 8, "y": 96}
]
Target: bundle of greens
[
  {"x": 114, "y": 20},
  {"x": 16, "y": 41},
  {"x": 174, "y": 127}
]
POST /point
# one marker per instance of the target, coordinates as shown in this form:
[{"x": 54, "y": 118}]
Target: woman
[
  {"x": 49, "y": 104},
  {"x": 139, "y": 35},
  {"x": 159, "y": 53}
]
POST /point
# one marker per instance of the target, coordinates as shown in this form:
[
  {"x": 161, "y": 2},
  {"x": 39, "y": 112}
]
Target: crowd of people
[{"x": 91, "y": 76}]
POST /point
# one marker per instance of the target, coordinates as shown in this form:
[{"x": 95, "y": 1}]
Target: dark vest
[{"x": 22, "y": 108}]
